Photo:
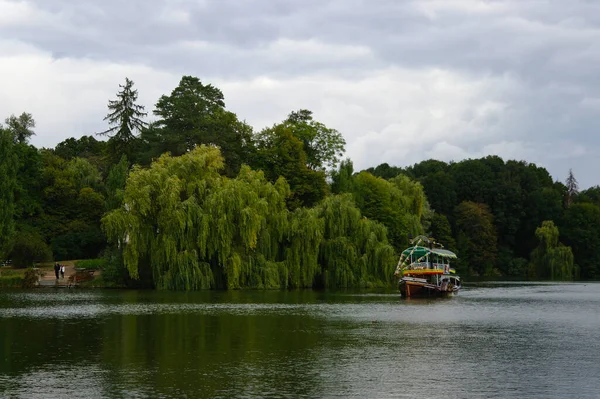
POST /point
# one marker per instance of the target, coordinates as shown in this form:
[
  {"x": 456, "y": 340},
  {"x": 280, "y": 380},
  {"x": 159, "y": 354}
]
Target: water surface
[{"x": 500, "y": 340}]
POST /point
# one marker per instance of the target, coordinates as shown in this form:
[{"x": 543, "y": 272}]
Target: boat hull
[{"x": 412, "y": 288}]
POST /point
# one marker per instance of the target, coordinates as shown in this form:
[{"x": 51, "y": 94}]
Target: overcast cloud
[{"x": 403, "y": 81}]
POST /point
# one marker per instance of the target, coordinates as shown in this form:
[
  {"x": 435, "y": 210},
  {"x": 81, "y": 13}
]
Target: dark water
[{"x": 497, "y": 340}]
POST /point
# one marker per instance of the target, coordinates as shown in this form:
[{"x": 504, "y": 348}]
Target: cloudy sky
[{"x": 402, "y": 80}]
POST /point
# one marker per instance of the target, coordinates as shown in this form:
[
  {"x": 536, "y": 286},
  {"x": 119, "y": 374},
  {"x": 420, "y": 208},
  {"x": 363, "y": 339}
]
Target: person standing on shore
[{"x": 56, "y": 269}]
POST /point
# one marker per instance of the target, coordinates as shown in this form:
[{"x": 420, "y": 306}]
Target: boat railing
[{"x": 426, "y": 265}]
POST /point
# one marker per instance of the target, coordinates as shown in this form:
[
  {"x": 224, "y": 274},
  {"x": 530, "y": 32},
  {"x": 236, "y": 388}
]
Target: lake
[{"x": 504, "y": 340}]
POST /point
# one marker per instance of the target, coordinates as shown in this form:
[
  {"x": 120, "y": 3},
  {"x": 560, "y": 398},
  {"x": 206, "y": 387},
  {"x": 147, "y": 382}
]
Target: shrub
[
  {"x": 90, "y": 264},
  {"x": 28, "y": 248},
  {"x": 10, "y": 281},
  {"x": 30, "y": 279}
]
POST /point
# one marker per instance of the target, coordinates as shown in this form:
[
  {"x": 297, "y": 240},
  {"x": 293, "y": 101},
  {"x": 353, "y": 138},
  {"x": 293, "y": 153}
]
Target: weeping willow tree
[
  {"x": 399, "y": 204},
  {"x": 551, "y": 259},
  {"x": 354, "y": 251},
  {"x": 184, "y": 226},
  {"x": 419, "y": 213}
]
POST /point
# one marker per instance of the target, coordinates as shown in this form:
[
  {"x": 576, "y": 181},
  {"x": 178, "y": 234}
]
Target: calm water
[{"x": 496, "y": 340}]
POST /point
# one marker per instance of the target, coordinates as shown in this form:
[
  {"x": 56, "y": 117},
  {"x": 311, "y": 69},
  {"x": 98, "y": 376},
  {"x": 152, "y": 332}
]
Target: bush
[
  {"x": 30, "y": 279},
  {"x": 11, "y": 281},
  {"x": 114, "y": 273},
  {"x": 90, "y": 264},
  {"x": 28, "y": 248}
]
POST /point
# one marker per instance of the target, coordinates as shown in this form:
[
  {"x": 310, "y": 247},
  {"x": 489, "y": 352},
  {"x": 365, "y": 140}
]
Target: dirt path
[{"x": 49, "y": 278}]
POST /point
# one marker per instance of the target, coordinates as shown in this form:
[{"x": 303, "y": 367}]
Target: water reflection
[{"x": 494, "y": 340}]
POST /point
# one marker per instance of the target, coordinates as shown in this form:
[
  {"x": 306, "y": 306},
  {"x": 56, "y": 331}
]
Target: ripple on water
[{"x": 493, "y": 340}]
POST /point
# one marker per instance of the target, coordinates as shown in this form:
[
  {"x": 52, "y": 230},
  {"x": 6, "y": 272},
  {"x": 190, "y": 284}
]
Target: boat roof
[{"x": 419, "y": 252}]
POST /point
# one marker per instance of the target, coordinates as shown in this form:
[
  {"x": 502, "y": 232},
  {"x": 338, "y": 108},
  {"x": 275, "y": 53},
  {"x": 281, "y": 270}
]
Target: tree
[
  {"x": 125, "y": 119},
  {"x": 194, "y": 114},
  {"x": 185, "y": 226},
  {"x": 591, "y": 195},
  {"x": 72, "y": 205},
  {"x": 84, "y": 147},
  {"x": 323, "y": 146},
  {"x": 8, "y": 184},
  {"x": 28, "y": 193},
  {"x": 416, "y": 200},
  {"x": 551, "y": 259},
  {"x": 28, "y": 248},
  {"x": 20, "y": 127},
  {"x": 115, "y": 184},
  {"x": 476, "y": 237},
  {"x": 580, "y": 229},
  {"x": 187, "y": 115},
  {"x": 385, "y": 171},
  {"x": 442, "y": 231},
  {"x": 390, "y": 204},
  {"x": 280, "y": 154},
  {"x": 572, "y": 189},
  {"x": 342, "y": 180}
]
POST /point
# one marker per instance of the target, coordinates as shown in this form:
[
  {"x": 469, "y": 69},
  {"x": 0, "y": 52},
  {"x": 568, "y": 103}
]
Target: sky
[{"x": 403, "y": 81}]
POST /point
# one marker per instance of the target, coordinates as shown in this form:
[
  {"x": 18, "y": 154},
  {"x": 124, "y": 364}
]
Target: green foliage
[
  {"x": 194, "y": 114},
  {"x": 59, "y": 196},
  {"x": 551, "y": 260},
  {"x": 30, "y": 278},
  {"x": 8, "y": 184},
  {"x": 12, "y": 281},
  {"x": 354, "y": 252},
  {"x": 90, "y": 263},
  {"x": 385, "y": 171},
  {"x": 114, "y": 273},
  {"x": 115, "y": 184},
  {"x": 580, "y": 229},
  {"x": 323, "y": 146},
  {"x": 21, "y": 127},
  {"x": 442, "y": 231},
  {"x": 28, "y": 205},
  {"x": 476, "y": 238},
  {"x": 29, "y": 248},
  {"x": 280, "y": 154},
  {"x": 400, "y": 204},
  {"x": 70, "y": 208},
  {"x": 416, "y": 202},
  {"x": 83, "y": 174},
  {"x": 591, "y": 195},
  {"x": 519, "y": 195},
  {"x": 189, "y": 228},
  {"x": 342, "y": 180},
  {"x": 85, "y": 147},
  {"x": 126, "y": 119}
]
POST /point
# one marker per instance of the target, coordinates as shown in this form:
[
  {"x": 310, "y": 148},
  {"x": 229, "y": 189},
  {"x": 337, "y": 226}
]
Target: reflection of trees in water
[
  {"x": 208, "y": 344},
  {"x": 212, "y": 353}
]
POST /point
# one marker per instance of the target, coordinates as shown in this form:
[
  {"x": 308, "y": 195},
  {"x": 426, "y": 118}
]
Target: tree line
[
  {"x": 196, "y": 199},
  {"x": 510, "y": 218}
]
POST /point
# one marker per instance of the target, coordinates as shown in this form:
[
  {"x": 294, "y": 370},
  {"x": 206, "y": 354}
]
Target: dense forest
[{"x": 193, "y": 198}]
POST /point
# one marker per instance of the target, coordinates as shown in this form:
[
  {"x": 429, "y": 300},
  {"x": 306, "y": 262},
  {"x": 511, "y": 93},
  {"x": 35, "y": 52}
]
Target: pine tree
[{"x": 125, "y": 118}]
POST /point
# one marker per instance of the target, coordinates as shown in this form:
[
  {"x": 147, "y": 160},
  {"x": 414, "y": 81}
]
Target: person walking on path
[
  {"x": 56, "y": 269},
  {"x": 62, "y": 271}
]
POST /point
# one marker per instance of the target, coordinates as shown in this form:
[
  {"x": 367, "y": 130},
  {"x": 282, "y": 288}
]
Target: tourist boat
[{"x": 424, "y": 270}]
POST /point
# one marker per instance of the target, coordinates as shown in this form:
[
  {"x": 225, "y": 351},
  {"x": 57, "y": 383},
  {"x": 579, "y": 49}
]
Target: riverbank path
[{"x": 48, "y": 279}]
